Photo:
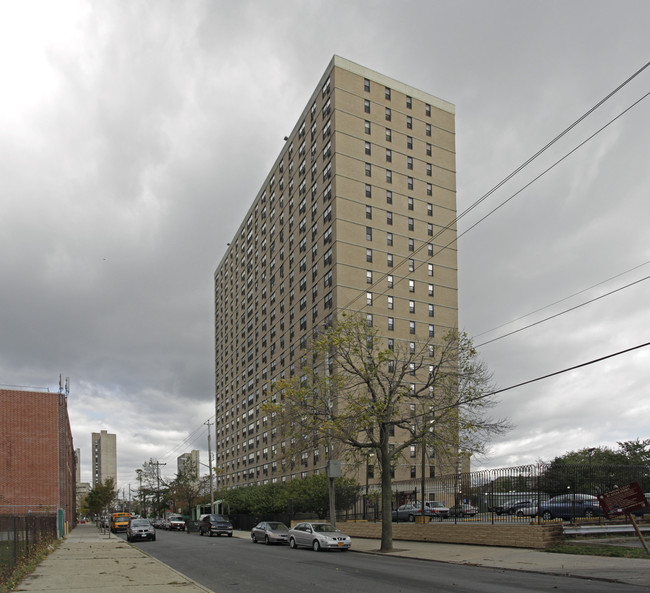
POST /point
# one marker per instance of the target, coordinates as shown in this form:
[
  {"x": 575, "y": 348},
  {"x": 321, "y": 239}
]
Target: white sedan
[{"x": 318, "y": 536}]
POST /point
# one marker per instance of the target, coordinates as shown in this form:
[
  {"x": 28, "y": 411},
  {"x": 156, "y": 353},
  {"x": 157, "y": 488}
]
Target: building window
[
  {"x": 389, "y": 196},
  {"x": 389, "y": 260},
  {"x": 429, "y": 169},
  {"x": 388, "y": 114},
  {"x": 369, "y": 277},
  {"x": 369, "y": 298},
  {"x": 430, "y": 269},
  {"x": 431, "y": 331},
  {"x": 389, "y": 280},
  {"x": 391, "y": 324},
  {"x": 430, "y": 249},
  {"x": 430, "y": 290},
  {"x": 368, "y": 190},
  {"x": 409, "y": 182},
  {"x": 389, "y": 135},
  {"x": 391, "y": 344},
  {"x": 411, "y": 327},
  {"x": 411, "y": 287},
  {"x": 389, "y": 155},
  {"x": 387, "y": 94},
  {"x": 411, "y": 224},
  {"x": 368, "y": 170},
  {"x": 368, "y": 148},
  {"x": 368, "y": 233},
  {"x": 369, "y": 319},
  {"x": 430, "y": 310},
  {"x": 366, "y": 85},
  {"x": 366, "y": 106},
  {"x": 427, "y": 110},
  {"x": 429, "y": 209},
  {"x": 410, "y": 203},
  {"x": 409, "y": 142},
  {"x": 411, "y": 265},
  {"x": 411, "y": 245},
  {"x": 428, "y": 149},
  {"x": 411, "y": 306},
  {"x": 390, "y": 302},
  {"x": 409, "y": 102},
  {"x": 369, "y": 255},
  {"x": 409, "y": 122},
  {"x": 389, "y": 176},
  {"x": 389, "y": 239},
  {"x": 389, "y": 218},
  {"x": 366, "y": 126},
  {"x": 431, "y": 351},
  {"x": 409, "y": 162},
  {"x": 430, "y": 229},
  {"x": 369, "y": 212},
  {"x": 428, "y": 129}
]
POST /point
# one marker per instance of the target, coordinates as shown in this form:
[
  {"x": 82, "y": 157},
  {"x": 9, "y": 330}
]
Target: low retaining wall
[{"x": 511, "y": 536}]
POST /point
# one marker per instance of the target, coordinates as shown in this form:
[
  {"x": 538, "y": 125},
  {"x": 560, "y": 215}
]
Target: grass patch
[
  {"x": 597, "y": 550},
  {"x": 10, "y": 578}
]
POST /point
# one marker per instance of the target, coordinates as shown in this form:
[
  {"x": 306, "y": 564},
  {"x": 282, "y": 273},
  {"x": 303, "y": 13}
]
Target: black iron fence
[
  {"x": 522, "y": 493},
  {"x": 20, "y": 536}
]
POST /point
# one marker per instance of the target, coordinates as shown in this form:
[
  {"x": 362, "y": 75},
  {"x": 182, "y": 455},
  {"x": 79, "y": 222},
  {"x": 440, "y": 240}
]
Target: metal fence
[
  {"x": 20, "y": 536},
  {"x": 508, "y": 494}
]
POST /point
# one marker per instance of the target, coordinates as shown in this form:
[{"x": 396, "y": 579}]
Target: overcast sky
[{"x": 134, "y": 136}]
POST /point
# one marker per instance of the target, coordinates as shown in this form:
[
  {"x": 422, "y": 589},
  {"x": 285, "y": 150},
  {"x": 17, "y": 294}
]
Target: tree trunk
[{"x": 386, "y": 500}]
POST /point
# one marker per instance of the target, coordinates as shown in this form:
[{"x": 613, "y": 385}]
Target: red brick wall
[{"x": 36, "y": 453}]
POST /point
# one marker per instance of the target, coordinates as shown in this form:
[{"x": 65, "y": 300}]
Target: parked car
[
  {"x": 510, "y": 508},
  {"x": 318, "y": 536},
  {"x": 463, "y": 510},
  {"x": 646, "y": 510},
  {"x": 410, "y": 510},
  {"x": 176, "y": 523},
  {"x": 215, "y": 525},
  {"x": 270, "y": 532},
  {"x": 437, "y": 509},
  {"x": 140, "y": 529},
  {"x": 530, "y": 511},
  {"x": 567, "y": 506}
]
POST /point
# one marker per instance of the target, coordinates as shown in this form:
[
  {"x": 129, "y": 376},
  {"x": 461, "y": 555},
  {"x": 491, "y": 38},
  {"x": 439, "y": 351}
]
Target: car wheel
[
  {"x": 292, "y": 543},
  {"x": 128, "y": 539},
  {"x": 316, "y": 546},
  {"x": 589, "y": 513},
  {"x": 266, "y": 540},
  {"x": 411, "y": 518},
  {"x": 547, "y": 516},
  {"x": 253, "y": 538},
  {"x": 153, "y": 539},
  {"x": 210, "y": 532},
  {"x": 230, "y": 534}
]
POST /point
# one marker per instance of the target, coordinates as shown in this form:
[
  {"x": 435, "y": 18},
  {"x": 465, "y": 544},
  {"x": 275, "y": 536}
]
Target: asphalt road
[{"x": 228, "y": 565}]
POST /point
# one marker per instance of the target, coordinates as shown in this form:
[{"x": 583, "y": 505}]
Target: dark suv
[{"x": 215, "y": 525}]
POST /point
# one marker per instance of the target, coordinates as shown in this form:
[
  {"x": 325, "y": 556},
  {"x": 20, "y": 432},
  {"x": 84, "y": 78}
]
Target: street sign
[{"x": 626, "y": 499}]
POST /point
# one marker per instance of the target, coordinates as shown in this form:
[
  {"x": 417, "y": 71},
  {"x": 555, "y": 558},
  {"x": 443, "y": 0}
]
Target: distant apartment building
[
  {"x": 37, "y": 457},
  {"x": 189, "y": 461},
  {"x": 104, "y": 457},
  {"x": 356, "y": 214}
]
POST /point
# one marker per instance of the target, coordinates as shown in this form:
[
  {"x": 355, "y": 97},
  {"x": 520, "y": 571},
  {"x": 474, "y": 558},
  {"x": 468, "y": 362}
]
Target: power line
[
  {"x": 602, "y": 296},
  {"x": 562, "y": 299}
]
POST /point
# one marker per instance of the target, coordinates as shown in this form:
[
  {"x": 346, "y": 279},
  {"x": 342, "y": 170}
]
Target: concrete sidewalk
[
  {"x": 633, "y": 571},
  {"x": 89, "y": 560}
]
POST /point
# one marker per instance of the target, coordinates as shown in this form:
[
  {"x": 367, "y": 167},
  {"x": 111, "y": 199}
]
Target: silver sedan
[
  {"x": 270, "y": 532},
  {"x": 318, "y": 536}
]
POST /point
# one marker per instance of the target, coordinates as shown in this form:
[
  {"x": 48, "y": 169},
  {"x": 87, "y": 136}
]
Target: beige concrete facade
[
  {"x": 358, "y": 214},
  {"x": 104, "y": 460}
]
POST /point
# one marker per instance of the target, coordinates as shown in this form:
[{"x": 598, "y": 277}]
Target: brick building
[{"x": 37, "y": 457}]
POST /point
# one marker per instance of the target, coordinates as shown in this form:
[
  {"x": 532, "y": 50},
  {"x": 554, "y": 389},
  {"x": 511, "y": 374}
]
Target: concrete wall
[{"x": 513, "y": 536}]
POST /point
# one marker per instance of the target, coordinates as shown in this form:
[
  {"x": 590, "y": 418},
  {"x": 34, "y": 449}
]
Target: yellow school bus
[{"x": 120, "y": 521}]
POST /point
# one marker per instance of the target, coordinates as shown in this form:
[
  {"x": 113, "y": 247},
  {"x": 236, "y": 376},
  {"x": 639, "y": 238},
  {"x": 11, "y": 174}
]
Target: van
[{"x": 120, "y": 521}]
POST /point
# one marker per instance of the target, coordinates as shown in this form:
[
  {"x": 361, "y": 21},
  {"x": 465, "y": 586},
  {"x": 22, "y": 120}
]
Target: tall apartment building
[
  {"x": 357, "y": 213},
  {"x": 104, "y": 457},
  {"x": 189, "y": 461}
]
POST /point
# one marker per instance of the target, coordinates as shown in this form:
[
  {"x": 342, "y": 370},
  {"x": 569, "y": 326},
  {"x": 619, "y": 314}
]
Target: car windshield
[
  {"x": 140, "y": 523},
  {"x": 277, "y": 527},
  {"x": 218, "y": 518},
  {"x": 324, "y": 528},
  {"x": 175, "y": 518}
]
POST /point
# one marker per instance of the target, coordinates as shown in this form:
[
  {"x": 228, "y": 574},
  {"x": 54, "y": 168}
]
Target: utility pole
[
  {"x": 157, "y": 464},
  {"x": 210, "y": 468}
]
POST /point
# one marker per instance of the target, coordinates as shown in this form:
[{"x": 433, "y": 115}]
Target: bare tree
[{"x": 374, "y": 400}]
